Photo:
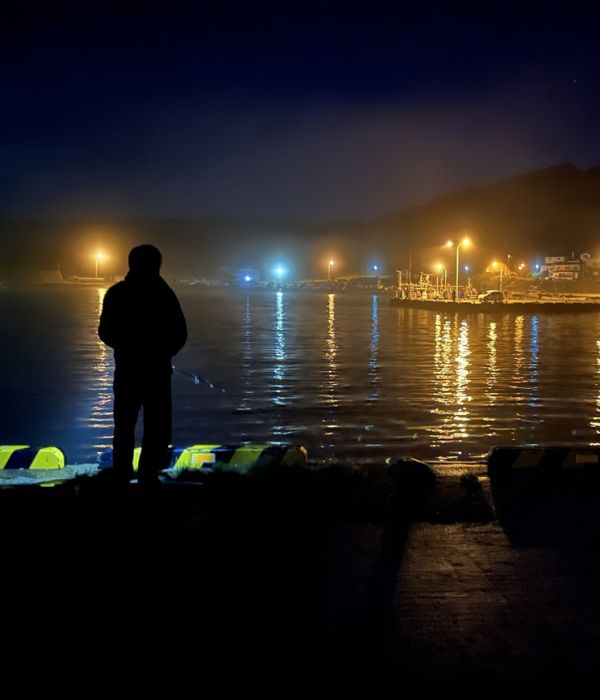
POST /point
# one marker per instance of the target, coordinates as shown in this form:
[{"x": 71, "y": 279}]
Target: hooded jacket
[{"x": 142, "y": 321}]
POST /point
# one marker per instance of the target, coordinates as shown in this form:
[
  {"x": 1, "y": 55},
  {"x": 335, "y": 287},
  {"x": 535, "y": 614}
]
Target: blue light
[
  {"x": 375, "y": 268},
  {"x": 247, "y": 278},
  {"x": 279, "y": 271}
]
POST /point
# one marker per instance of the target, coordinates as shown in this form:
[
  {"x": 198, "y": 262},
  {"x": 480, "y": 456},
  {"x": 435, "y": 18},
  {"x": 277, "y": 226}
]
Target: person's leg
[
  {"x": 127, "y": 403},
  {"x": 157, "y": 427}
]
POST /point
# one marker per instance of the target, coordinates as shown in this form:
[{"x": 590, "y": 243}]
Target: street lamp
[
  {"x": 99, "y": 258},
  {"x": 329, "y": 266},
  {"x": 465, "y": 242},
  {"x": 495, "y": 264}
]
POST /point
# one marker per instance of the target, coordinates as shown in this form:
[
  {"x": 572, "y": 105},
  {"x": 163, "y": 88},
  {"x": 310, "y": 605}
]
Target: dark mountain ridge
[
  {"x": 549, "y": 211},
  {"x": 552, "y": 211}
]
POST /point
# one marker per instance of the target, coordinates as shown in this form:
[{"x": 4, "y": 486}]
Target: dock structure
[{"x": 518, "y": 306}]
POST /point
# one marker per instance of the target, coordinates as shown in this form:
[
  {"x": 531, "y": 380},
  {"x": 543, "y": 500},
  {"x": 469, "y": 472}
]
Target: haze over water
[{"x": 344, "y": 374}]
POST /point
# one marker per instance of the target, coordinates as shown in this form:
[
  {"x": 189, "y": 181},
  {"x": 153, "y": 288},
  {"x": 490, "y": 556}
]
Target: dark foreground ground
[{"x": 304, "y": 584}]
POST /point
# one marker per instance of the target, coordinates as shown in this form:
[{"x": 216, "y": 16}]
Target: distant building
[
  {"x": 591, "y": 266},
  {"x": 559, "y": 267}
]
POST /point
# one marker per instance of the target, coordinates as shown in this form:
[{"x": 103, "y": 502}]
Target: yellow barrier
[{"x": 25, "y": 457}]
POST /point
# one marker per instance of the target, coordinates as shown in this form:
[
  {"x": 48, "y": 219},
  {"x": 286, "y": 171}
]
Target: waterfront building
[{"x": 559, "y": 267}]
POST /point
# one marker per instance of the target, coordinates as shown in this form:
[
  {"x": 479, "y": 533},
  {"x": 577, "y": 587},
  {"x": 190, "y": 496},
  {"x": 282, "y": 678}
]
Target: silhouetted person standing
[{"x": 143, "y": 322}]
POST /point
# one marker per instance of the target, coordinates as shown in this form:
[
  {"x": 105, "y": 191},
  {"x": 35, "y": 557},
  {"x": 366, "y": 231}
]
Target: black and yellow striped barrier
[
  {"x": 26, "y": 457},
  {"x": 543, "y": 460},
  {"x": 240, "y": 457},
  {"x": 237, "y": 457}
]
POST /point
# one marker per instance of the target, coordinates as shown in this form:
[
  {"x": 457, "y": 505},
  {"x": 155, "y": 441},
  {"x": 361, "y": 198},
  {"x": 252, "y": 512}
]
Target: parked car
[{"x": 492, "y": 296}]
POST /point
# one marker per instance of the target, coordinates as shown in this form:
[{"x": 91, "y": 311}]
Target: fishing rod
[{"x": 197, "y": 378}]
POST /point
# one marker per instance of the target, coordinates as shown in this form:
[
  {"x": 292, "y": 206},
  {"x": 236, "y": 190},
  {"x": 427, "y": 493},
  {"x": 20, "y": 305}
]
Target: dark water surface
[{"x": 344, "y": 374}]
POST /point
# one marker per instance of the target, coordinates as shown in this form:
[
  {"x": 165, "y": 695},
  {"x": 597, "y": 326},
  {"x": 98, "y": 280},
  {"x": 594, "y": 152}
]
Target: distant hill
[
  {"x": 546, "y": 212},
  {"x": 549, "y": 211}
]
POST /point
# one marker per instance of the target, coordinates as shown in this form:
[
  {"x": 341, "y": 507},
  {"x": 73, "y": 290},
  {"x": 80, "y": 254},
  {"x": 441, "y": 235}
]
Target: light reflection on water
[
  {"x": 533, "y": 362},
  {"x": 462, "y": 397},
  {"x": 492, "y": 368},
  {"x": 279, "y": 352},
  {"x": 345, "y": 374},
  {"x": 374, "y": 349},
  {"x": 331, "y": 353},
  {"x": 519, "y": 360},
  {"x": 451, "y": 385},
  {"x": 100, "y": 418},
  {"x": 595, "y": 419},
  {"x": 246, "y": 343},
  {"x": 329, "y": 421},
  {"x": 441, "y": 428}
]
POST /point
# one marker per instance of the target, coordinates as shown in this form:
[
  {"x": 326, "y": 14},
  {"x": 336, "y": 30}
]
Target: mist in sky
[{"x": 281, "y": 111}]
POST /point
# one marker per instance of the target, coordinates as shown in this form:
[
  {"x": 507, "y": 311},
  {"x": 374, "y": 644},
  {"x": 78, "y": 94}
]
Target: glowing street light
[
  {"x": 329, "y": 266},
  {"x": 99, "y": 257},
  {"x": 501, "y": 265},
  {"x": 465, "y": 242}
]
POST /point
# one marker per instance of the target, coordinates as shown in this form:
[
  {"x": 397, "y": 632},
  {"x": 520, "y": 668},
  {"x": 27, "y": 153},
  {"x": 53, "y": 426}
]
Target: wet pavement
[{"x": 339, "y": 596}]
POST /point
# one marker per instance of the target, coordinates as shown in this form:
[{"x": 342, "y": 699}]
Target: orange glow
[{"x": 98, "y": 258}]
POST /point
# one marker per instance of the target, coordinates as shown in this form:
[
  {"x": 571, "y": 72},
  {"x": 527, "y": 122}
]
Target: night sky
[{"x": 277, "y": 110}]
